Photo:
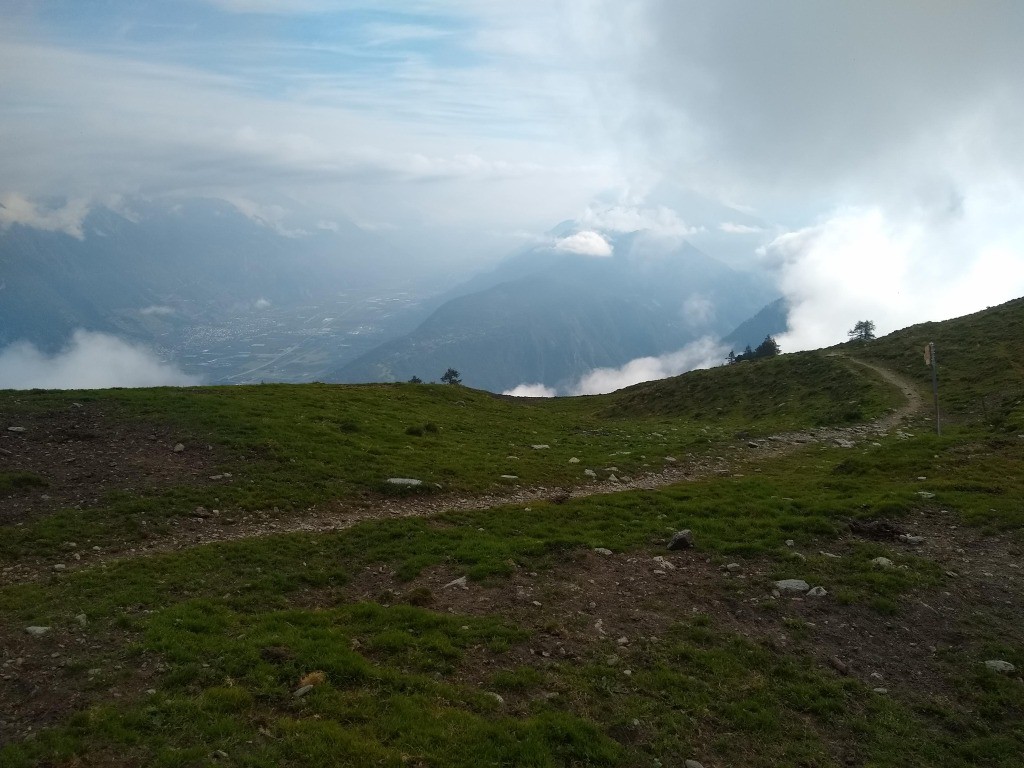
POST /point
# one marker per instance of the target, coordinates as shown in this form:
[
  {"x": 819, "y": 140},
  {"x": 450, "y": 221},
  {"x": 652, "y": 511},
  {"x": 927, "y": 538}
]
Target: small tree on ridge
[
  {"x": 864, "y": 330},
  {"x": 451, "y": 376}
]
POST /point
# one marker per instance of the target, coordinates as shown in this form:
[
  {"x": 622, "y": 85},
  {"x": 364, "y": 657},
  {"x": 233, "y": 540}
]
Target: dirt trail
[{"x": 338, "y": 515}]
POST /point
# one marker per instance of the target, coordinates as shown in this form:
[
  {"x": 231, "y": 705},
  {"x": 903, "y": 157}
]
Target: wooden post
[{"x": 935, "y": 385}]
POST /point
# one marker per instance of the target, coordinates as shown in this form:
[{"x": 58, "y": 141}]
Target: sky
[{"x": 870, "y": 150}]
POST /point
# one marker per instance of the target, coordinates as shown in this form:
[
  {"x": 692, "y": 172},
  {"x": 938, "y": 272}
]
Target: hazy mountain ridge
[{"x": 551, "y": 317}]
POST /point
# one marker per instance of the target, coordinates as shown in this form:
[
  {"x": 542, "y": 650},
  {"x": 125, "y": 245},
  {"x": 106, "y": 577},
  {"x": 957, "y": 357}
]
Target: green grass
[
  {"x": 289, "y": 447},
  {"x": 231, "y": 628},
  {"x": 12, "y": 482}
]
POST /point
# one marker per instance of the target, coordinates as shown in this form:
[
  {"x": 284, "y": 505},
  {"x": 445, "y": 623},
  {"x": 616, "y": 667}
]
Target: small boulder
[
  {"x": 574, "y": 460},
  {"x": 37, "y": 631},
  {"x": 816, "y": 592},
  {"x": 602, "y": 551},
  {"x": 884, "y": 563},
  {"x": 462, "y": 582},
  {"x": 540, "y": 447},
  {"x": 179, "y": 447},
  {"x": 681, "y": 540},
  {"x": 589, "y": 473},
  {"x": 798, "y": 586},
  {"x": 15, "y": 429},
  {"x": 410, "y": 482},
  {"x": 1003, "y": 667}
]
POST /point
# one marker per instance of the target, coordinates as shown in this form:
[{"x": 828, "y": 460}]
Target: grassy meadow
[{"x": 553, "y": 654}]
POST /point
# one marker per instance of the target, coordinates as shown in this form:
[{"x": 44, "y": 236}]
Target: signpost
[{"x": 929, "y": 359}]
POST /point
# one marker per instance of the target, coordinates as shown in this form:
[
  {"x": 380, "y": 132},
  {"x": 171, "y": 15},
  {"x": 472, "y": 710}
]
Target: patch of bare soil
[{"x": 85, "y": 451}]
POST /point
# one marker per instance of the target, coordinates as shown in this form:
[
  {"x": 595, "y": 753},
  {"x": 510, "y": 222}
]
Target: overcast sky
[{"x": 874, "y": 144}]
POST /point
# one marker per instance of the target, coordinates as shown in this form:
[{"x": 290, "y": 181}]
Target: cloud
[
  {"x": 731, "y": 228},
  {"x": 531, "y": 390},
  {"x": 66, "y": 218},
  {"x": 586, "y": 243},
  {"x": 89, "y": 361},
  {"x": 703, "y": 353},
  {"x": 658, "y": 220},
  {"x": 869, "y": 263},
  {"x": 262, "y": 303},
  {"x": 157, "y": 310}
]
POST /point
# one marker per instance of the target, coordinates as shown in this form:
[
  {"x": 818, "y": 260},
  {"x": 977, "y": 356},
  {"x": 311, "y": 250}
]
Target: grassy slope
[
  {"x": 404, "y": 696},
  {"x": 290, "y": 447}
]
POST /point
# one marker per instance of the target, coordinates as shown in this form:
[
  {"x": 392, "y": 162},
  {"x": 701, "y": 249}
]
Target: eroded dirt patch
[{"x": 86, "y": 450}]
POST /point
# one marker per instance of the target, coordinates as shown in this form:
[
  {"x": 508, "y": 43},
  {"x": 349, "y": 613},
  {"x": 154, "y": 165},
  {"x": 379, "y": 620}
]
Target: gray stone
[
  {"x": 15, "y": 429},
  {"x": 589, "y": 473},
  {"x": 179, "y": 447},
  {"x": 37, "y": 631},
  {"x": 462, "y": 581},
  {"x": 540, "y": 447},
  {"x": 602, "y": 551},
  {"x": 303, "y": 691},
  {"x": 510, "y": 477},
  {"x": 496, "y": 697},
  {"x": 574, "y": 460},
  {"x": 998, "y": 665},
  {"x": 884, "y": 563},
  {"x": 792, "y": 585},
  {"x": 692, "y": 764},
  {"x": 914, "y": 540},
  {"x": 82, "y": 619},
  {"x": 407, "y": 481},
  {"x": 817, "y": 592},
  {"x": 681, "y": 540}
]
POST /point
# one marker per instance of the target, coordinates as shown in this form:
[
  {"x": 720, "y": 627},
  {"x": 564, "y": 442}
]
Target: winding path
[{"x": 335, "y": 516}]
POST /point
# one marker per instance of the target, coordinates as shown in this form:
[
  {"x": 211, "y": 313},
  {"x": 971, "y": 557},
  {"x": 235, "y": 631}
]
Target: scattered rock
[
  {"x": 406, "y": 481},
  {"x": 913, "y": 540},
  {"x": 884, "y": 563},
  {"x": 574, "y": 460},
  {"x": 602, "y": 551},
  {"x": 81, "y": 619},
  {"x": 300, "y": 692},
  {"x": 817, "y": 592},
  {"x": 219, "y": 754},
  {"x": 510, "y": 477},
  {"x": 926, "y": 495},
  {"x": 496, "y": 697},
  {"x": 589, "y": 473},
  {"x": 613, "y": 479},
  {"x": 15, "y": 429},
  {"x": 179, "y": 447},
  {"x": 792, "y": 585},
  {"x": 540, "y": 447},
  {"x": 681, "y": 540},
  {"x": 37, "y": 631},
  {"x": 670, "y": 459},
  {"x": 829, "y": 555},
  {"x": 790, "y": 543},
  {"x": 462, "y": 581},
  {"x": 734, "y": 567},
  {"x": 880, "y": 691},
  {"x": 692, "y": 764},
  {"x": 839, "y": 665},
  {"x": 1003, "y": 667}
]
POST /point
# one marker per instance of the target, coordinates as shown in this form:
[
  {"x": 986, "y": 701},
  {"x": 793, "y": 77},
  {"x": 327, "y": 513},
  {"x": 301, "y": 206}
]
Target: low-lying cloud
[
  {"x": 89, "y": 361},
  {"x": 896, "y": 270},
  {"x": 531, "y": 390},
  {"x": 585, "y": 243},
  {"x": 703, "y": 353}
]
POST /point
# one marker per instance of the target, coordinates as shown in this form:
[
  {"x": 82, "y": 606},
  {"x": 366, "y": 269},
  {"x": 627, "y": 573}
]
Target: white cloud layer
[
  {"x": 867, "y": 264},
  {"x": 66, "y": 218},
  {"x": 90, "y": 361},
  {"x": 531, "y": 390},
  {"x": 586, "y": 243},
  {"x": 703, "y": 353}
]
